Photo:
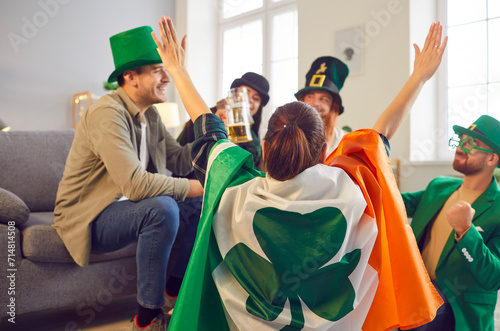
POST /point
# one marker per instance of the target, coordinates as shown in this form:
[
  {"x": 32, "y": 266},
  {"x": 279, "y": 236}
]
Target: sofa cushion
[
  {"x": 41, "y": 243},
  {"x": 34, "y": 164},
  {"x": 12, "y": 208}
]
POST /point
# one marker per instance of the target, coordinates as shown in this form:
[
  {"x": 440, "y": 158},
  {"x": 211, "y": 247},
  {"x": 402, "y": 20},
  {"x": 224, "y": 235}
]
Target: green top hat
[
  {"x": 486, "y": 129},
  {"x": 326, "y": 73},
  {"x": 133, "y": 49}
]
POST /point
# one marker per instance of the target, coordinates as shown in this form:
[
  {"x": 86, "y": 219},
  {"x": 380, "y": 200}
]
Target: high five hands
[
  {"x": 173, "y": 56},
  {"x": 171, "y": 52}
]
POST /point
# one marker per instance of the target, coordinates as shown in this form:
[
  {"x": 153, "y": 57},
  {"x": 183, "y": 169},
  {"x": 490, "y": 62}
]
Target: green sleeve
[
  {"x": 411, "y": 201},
  {"x": 482, "y": 258}
]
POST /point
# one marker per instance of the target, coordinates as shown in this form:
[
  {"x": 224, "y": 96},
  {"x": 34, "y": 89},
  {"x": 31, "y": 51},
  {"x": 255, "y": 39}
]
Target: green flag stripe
[{"x": 199, "y": 305}]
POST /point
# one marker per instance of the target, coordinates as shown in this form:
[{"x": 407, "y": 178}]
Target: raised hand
[
  {"x": 171, "y": 52},
  {"x": 427, "y": 61}
]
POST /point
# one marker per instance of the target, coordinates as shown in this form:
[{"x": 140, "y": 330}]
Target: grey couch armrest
[{"x": 13, "y": 210}]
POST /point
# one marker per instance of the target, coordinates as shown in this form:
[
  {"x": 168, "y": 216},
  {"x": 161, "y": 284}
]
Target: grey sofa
[{"x": 42, "y": 274}]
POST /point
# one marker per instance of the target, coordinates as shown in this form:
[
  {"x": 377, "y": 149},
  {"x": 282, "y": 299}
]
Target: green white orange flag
[{"x": 316, "y": 252}]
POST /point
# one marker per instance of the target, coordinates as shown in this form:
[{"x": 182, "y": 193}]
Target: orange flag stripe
[{"x": 405, "y": 297}]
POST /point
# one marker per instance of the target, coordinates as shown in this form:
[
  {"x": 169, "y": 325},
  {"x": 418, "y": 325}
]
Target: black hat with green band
[
  {"x": 133, "y": 49},
  {"x": 327, "y": 73},
  {"x": 486, "y": 129}
]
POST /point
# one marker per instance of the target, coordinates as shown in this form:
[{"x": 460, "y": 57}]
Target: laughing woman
[{"x": 308, "y": 245}]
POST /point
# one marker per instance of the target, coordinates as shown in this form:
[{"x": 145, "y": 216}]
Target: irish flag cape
[{"x": 327, "y": 250}]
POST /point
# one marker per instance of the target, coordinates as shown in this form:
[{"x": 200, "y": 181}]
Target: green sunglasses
[{"x": 456, "y": 141}]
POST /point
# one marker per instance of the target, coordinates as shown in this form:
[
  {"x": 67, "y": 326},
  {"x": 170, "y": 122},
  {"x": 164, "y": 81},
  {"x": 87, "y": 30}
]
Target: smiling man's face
[{"x": 152, "y": 81}]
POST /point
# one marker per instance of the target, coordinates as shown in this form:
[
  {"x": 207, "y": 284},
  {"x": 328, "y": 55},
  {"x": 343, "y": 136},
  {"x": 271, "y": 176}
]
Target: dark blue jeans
[
  {"x": 444, "y": 320},
  {"x": 153, "y": 223}
]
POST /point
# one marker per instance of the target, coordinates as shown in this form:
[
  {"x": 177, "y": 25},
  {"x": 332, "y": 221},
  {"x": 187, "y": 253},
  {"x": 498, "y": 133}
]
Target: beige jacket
[{"x": 103, "y": 164}]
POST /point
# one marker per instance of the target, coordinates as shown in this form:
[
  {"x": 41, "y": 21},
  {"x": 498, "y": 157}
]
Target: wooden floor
[{"x": 114, "y": 317}]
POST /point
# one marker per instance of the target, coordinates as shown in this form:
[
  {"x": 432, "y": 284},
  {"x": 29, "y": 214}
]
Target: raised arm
[
  {"x": 426, "y": 63},
  {"x": 173, "y": 56}
]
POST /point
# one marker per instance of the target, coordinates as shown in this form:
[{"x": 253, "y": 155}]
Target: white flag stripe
[
  {"x": 216, "y": 150},
  {"x": 365, "y": 280}
]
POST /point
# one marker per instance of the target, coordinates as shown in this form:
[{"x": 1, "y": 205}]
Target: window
[
  {"x": 260, "y": 36},
  {"x": 473, "y": 79},
  {"x": 468, "y": 83}
]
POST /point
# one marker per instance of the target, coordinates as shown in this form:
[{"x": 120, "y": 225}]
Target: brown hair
[
  {"x": 121, "y": 80},
  {"x": 294, "y": 140}
]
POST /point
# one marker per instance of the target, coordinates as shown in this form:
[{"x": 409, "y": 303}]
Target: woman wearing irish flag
[{"x": 316, "y": 243}]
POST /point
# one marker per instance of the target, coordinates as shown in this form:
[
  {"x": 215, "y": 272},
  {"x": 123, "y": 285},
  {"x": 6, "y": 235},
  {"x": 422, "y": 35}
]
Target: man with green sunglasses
[
  {"x": 466, "y": 143},
  {"x": 457, "y": 226}
]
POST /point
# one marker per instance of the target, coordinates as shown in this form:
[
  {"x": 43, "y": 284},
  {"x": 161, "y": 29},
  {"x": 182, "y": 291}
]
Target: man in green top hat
[
  {"x": 115, "y": 189},
  {"x": 457, "y": 226},
  {"x": 324, "y": 81}
]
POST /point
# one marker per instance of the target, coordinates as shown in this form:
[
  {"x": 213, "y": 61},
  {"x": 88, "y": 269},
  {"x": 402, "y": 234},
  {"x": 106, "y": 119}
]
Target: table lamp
[
  {"x": 4, "y": 126},
  {"x": 169, "y": 113}
]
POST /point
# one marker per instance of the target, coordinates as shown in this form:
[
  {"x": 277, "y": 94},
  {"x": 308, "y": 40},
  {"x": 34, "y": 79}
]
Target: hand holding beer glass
[{"x": 238, "y": 116}]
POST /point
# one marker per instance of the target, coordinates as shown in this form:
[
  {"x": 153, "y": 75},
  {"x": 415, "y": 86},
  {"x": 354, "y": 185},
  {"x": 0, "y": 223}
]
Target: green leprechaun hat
[
  {"x": 486, "y": 129},
  {"x": 133, "y": 49},
  {"x": 326, "y": 73}
]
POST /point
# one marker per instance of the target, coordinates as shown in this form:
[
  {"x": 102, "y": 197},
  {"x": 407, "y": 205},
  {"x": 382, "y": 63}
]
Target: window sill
[{"x": 433, "y": 163}]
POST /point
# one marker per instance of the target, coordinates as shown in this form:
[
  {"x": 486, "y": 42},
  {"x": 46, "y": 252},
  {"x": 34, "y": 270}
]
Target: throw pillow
[{"x": 12, "y": 208}]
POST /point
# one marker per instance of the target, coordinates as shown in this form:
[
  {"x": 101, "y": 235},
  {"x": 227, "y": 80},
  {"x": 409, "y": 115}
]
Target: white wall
[
  {"x": 198, "y": 19},
  {"x": 387, "y": 66},
  {"x": 52, "y": 49}
]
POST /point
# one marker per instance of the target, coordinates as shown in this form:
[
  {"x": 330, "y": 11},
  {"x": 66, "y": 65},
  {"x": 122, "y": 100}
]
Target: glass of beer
[{"x": 238, "y": 116}]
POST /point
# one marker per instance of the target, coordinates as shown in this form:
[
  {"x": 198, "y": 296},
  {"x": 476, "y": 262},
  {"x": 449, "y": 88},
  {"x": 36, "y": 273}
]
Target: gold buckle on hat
[{"x": 317, "y": 80}]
